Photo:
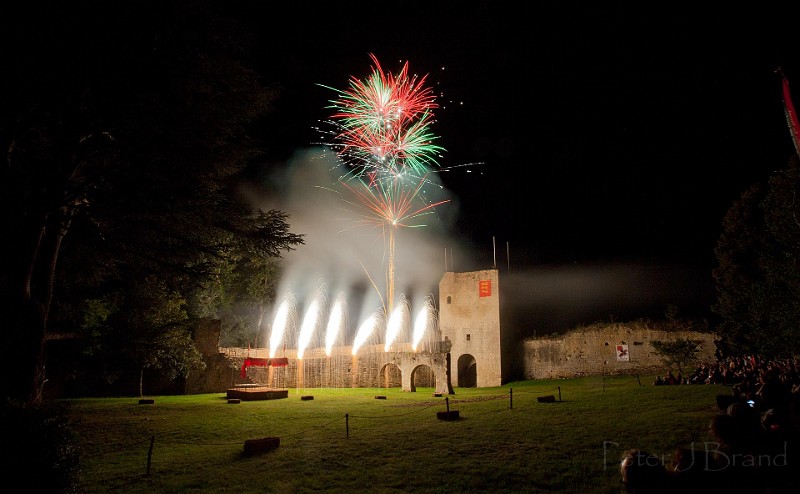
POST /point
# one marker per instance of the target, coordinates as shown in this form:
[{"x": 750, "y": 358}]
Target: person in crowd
[
  {"x": 754, "y": 442},
  {"x": 643, "y": 473}
]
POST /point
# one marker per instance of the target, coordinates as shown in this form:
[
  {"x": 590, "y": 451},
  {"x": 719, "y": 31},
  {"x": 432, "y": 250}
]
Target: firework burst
[
  {"x": 383, "y": 136},
  {"x": 383, "y": 124}
]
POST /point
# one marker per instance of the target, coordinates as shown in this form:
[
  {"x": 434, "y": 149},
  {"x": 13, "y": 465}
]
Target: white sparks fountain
[{"x": 323, "y": 351}]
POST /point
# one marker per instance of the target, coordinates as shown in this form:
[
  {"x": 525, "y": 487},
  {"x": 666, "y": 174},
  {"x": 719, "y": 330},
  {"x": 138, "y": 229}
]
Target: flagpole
[
  {"x": 494, "y": 255},
  {"x": 508, "y": 257}
]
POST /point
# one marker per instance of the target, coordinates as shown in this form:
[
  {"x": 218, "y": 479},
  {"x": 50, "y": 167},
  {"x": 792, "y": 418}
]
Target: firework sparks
[
  {"x": 336, "y": 323},
  {"x": 370, "y": 326},
  {"x": 284, "y": 318},
  {"x": 394, "y": 203},
  {"x": 422, "y": 324},
  {"x": 384, "y": 137},
  {"x": 380, "y": 132},
  {"x": 384, "y": 124},
  {"x": 397, "y": 321},
  {"x": 309, "y": 327}
]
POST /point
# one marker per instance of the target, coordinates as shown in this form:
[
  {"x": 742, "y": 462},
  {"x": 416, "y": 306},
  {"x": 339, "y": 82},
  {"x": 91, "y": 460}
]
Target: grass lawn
[{"x": 346, "y": 440}]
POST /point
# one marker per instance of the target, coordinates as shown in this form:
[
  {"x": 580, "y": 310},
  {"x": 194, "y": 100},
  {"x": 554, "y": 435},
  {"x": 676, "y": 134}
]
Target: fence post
[
  {"x": 511, "y": 398},
  {"x": 559, "y": 394},
  {"x": 347, "y": 425},
  {"x": 150, "y": 453},
  {"x": 447, "y": 403}
]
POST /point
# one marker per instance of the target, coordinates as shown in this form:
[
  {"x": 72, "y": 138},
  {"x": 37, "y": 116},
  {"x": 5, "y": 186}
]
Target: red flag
[{"x": 791, "y": 114}]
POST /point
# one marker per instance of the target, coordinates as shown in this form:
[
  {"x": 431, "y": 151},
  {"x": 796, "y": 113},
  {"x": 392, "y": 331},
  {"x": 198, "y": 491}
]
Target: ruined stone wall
[
  {"x": 217, "y": 377},
  {"x": 205, "y": 333},
  {"x": 371, "y": 368},
  {"x": 470, "y": 325},
  {"x": 593, "y": 352},
  {"x": 219, "y": 373}
]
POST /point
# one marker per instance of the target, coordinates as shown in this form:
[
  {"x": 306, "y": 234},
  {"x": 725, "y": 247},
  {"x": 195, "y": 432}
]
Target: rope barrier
[
  {"x": 395, "y": 415},
  {"x": 626, "y": 382},
  {"x": 538, "y": 391},
  {"x": 201, "y": 444},
  {"x": 314, "y": 427}
]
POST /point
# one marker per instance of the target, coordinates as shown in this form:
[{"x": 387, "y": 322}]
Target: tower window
[
  {"x": 449, "y": 299},
  {"x": 467, "y": 337}
]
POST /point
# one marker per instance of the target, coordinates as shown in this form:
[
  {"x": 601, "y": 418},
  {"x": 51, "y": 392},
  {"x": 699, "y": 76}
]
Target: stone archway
[
  {"x": 467, "y": 371},
  {"x": 390, "y": 376},
  {"x": 422, "y": 376}
]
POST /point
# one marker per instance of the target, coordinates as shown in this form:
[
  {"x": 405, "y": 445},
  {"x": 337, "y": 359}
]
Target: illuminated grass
[{"x": 394, "y": 445}]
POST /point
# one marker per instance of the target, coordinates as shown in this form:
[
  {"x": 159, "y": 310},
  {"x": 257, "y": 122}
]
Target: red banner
[
  {"x": 485, "y": 288},
  {"x": 791, "y": 114},
  {"x": 263, "y": 362}
]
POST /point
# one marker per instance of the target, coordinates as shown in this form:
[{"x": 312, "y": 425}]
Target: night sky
[
  {"x": 604, "y": 144},
  {"x": 604, "y": 134},
  {"x": 609, "y": 141}
]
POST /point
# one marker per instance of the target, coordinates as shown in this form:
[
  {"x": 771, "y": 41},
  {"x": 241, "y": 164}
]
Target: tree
[
  {"x": 125, "y": 129},
  {"x": 151, "y": 330},
  {"x": 736, "y": 274},
  {"x": 757, "y": 274},
  {"x": 678, "y": 353}
]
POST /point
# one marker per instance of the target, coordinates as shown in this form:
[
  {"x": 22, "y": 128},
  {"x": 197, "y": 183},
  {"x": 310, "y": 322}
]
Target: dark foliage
[
  {"x": 758, "y": 271},
  {"x": 680, "y": 352},
  {"x": 40, "y": 449},
  {"x": 126, "y": 130}
]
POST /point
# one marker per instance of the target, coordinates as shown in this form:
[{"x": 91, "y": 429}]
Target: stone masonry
[
  {"x": 475, "y": 351},
  {"x": 593, "y": 352},
  {"x": 372, "y": 367},
  {"x": 469, "y": 317}
]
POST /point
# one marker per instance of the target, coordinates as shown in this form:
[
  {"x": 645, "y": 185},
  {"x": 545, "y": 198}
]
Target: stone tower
[{"x": 469, "y": 316}]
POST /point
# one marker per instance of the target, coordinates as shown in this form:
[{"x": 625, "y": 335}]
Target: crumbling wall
[
  {"x": 219, "y": 373},
  {"x": 593, "y": 352}
]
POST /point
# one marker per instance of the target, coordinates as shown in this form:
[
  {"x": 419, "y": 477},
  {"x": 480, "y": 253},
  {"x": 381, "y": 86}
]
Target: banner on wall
[
  {"x": 622, "y": 353},
  {"x": 485, "y": 288},
  {"x": 262, "y": 362}
]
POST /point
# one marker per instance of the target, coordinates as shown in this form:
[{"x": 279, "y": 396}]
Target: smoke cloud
[{"x": 346, "y": 252}]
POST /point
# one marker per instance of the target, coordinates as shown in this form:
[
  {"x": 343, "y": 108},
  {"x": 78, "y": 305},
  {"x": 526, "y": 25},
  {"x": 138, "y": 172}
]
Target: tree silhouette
[
  {"x": 126, "y": 129},
  {"x": 757, "y": 275}
]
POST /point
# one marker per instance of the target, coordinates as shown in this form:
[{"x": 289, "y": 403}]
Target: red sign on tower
[{"x": 485, "y": 288}]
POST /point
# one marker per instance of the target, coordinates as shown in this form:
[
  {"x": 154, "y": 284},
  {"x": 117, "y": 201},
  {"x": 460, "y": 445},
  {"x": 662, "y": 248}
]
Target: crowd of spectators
[
  {"x": 744, "y": 371},
  {"x": 754, "y": 439}
]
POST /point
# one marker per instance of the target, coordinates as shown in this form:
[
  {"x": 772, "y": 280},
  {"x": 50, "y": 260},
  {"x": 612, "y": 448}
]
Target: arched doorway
[
  {"x": 422, "y": 376},
  {"x": 467, "y": 371},
  {"x": 390, "y": 376}
]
